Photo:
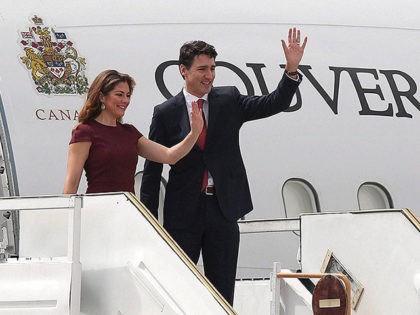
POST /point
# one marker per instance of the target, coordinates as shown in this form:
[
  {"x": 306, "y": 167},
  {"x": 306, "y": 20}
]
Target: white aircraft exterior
[
  {"x": 350, "y": 140},
  {"x": 354, "y": 120}
]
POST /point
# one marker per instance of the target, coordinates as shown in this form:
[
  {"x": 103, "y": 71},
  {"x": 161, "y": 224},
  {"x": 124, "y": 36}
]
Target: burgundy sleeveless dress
[{"x": 113, "y": 157}]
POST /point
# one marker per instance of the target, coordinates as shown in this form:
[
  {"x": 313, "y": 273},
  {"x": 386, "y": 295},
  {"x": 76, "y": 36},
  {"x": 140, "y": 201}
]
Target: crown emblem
[
  {"x": 52, "y": 60},
  {"x": 37, "y": 20}
]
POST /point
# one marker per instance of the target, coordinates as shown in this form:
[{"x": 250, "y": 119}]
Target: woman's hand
[
  {"x": 196, "y": 120},
  {"x": 156, "y": 152}
]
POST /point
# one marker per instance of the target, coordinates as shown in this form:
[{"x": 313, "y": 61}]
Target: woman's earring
[{"x": 102, "y": 106}]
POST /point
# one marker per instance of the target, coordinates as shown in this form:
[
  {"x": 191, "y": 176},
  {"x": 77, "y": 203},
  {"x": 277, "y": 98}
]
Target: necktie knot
[{"x": 200, "y": 103}]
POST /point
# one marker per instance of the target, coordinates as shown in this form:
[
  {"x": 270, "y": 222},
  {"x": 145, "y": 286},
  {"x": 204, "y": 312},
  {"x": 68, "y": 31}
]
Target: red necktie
[{"x": 201, "y": 142}]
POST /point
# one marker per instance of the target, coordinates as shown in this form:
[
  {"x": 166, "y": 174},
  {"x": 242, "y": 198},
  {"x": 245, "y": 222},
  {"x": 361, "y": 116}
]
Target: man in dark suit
[{"x": 207, "y": 190}]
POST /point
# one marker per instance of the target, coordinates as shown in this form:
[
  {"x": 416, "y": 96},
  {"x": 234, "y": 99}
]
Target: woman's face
[{"x": 117, "y": 100}]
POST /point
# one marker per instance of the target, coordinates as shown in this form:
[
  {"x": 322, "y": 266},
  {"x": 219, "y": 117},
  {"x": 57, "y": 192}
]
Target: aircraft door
[
  {"x": 9, "y": 220},
  {"x": 7, "y": 166}
]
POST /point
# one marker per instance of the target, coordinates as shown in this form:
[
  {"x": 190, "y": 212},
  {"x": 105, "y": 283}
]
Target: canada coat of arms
[{"x": 53, "y": 61}]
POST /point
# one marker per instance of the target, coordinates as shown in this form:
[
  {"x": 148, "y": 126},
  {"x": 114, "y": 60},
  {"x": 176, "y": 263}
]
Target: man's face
[{"x": 200, "y": 76}]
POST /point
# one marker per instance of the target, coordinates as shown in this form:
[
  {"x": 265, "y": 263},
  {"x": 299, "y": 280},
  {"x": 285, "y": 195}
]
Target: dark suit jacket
[{"x": 228, "y": 110}]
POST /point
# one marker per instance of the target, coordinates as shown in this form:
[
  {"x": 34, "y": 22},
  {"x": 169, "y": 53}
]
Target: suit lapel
[
  {"x": 214, "y": 109},
  {"x": 184, "y": 121}
]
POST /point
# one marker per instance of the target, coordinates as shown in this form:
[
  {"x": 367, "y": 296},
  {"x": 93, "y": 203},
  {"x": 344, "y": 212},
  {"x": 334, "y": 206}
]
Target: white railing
[{"x": 273, "y": 225}]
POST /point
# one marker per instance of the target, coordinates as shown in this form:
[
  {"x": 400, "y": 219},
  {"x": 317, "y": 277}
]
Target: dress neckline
[{"x": 101, "y": 124}]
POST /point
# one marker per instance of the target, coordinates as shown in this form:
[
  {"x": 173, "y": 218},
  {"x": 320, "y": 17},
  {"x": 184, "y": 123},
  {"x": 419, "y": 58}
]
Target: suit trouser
[{"x": 217, "y": 239}]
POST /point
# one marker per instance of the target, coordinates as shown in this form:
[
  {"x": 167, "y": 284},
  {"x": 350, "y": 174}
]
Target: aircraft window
[
  {"x": 137, "y": 184},
  {"x": 299, "y": 196},
  {"x": 373, "y": 196}
]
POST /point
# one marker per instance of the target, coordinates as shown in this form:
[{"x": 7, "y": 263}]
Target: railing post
[
  {"x": 74, "y": 229},
  {"x": 73, "y": 253},
  {"x": 275, "y": 307}
]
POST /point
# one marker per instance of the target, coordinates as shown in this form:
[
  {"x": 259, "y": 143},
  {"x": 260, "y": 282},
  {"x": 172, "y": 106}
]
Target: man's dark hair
[{"x": 194, "y": 48}]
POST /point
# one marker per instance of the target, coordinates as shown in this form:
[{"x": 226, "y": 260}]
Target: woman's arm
[
  {"x": 156, "y": 152},
  {"x": 78, "y": 154}
]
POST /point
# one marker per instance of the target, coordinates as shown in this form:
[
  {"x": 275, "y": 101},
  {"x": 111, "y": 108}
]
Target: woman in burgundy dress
[{"x": 107, "y": 148}]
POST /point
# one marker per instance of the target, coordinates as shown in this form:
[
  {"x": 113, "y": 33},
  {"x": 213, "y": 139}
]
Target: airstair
[
  {"x": 106, "y": 254},
  {"x": 99, "y": 254},
  {"x": 377, "y": 252}
]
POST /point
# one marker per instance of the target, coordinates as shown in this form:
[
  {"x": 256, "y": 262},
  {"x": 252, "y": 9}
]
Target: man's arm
[
  {"x": 150, "y": 185},
  {"x": 257, "y": 107}
]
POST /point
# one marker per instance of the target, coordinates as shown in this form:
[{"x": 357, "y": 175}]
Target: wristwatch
[{"x": 291, "y": 73}]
